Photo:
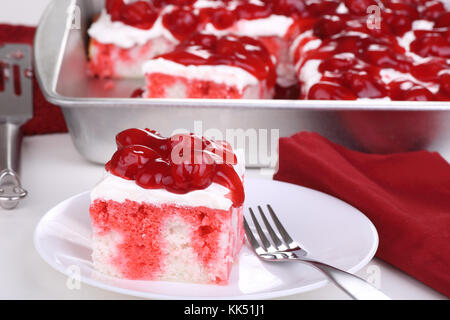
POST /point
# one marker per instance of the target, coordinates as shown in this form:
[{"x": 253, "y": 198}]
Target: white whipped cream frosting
[
  {"x": 273, "y": 25},
  {"x": 216, "y": 196},
  {"x": 106, "y": 31}
]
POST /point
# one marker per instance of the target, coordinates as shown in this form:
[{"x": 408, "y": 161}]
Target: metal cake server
[{"x": 16, "y": 107}]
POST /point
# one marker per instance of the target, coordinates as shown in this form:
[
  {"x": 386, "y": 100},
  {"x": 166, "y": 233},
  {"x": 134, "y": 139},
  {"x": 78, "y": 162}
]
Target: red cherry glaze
[
  {"x": 433, "y": 10},
  {"x": 359, "y": 7},
  {"x": 127, "y": 162},
  {"x": 328, "y": 26},
  {"x": 431, "y": 43},
  {"x": 114, "y": 8},
  {"x": 243, "y": 52},
  {"x": 145, "y": 137},
  {"x": 445, "y": 83},
  {"x": 181, "y": 23},
  {"x": 221, "y": 18},
  {"x": 330, "y": 91},
  {"x": 139, "y": 14},
  {"x": 138, "y": 93},
  {"x": 443, "y": 21},
  {"x": 180, "y": 164}
]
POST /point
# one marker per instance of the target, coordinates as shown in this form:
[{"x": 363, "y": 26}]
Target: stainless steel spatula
[{"x": 16, "y": 107}]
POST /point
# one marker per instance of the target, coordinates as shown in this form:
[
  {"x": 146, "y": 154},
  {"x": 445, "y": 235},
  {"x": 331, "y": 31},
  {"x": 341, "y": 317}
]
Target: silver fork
[
  {"x": 287, "y": 249},
  {"x": 16, "y": 107}
]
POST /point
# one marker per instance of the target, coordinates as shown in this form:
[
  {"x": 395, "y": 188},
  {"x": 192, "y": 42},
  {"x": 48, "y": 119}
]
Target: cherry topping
[
  {"x": 433, "y": 10},
  {"x": 364, "y": 85},
  {"x": 114, "y": 8},
  {"x": 180, "y": 164},
  {"x": 139, "y": 14},
  {"x": 181, "y": 23},
  {"x": 243, "y": 52},
  {"x": 138, "y": 93},
  {"x": 431, "y": 43},
  {"x": 328, "y": 26},
  {"x": 144, "y": 138},
  {"x": 128, "y": 161},
  {"x": 330, "y": 91},
  {"x": 359, "y": 7},
  {"x": 221, "y": 18},
  {"x": 288, "y": 7},
  {"x": 445, "y": 83}
]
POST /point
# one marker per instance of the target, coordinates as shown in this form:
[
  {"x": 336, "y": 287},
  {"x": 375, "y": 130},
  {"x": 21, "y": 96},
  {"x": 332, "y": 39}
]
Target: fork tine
[
  {"x": 279, "y": 245},
  {"x": 265, "y": 242},
  {"x": 251, "y": 238},
  {"x": 284, "y": 234}
]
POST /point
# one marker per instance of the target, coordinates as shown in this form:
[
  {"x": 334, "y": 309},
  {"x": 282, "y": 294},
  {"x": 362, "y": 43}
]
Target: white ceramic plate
[{"x": 328, "y": 228}]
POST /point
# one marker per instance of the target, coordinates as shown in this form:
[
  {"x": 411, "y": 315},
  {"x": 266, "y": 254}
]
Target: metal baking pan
[{"x": 95, "y": 109}]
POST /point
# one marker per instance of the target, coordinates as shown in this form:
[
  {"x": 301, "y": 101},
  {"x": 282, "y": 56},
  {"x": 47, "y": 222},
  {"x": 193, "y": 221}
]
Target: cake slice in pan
[{"x": 207, "y": 66}]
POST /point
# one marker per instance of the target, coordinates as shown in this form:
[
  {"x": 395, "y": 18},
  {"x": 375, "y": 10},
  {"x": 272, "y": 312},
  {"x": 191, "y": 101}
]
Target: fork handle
[{"x": 354, "y": 286}]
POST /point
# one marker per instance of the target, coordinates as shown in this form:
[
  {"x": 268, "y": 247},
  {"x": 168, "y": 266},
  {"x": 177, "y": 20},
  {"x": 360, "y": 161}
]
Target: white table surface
[{"x": 52, "y": 171}]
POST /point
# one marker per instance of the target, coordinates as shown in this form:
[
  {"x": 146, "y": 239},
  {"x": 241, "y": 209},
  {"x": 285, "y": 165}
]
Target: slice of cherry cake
[
  {"x": 168, "y": 209},
  {"x": 208, "y": 66}
]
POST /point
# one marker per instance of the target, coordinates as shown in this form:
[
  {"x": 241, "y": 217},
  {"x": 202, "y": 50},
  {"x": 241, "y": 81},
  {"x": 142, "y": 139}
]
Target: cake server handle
[{"x": 11, "y": 191}]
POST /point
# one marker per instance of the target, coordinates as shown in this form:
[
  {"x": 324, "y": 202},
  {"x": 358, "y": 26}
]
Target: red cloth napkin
[
  {"x": 405, "y": 195},
  {"x": 47, "y": 117}
]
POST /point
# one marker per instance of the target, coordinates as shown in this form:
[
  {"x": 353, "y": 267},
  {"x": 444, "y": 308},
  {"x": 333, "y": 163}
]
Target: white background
[{"x": 49, "y": 160}]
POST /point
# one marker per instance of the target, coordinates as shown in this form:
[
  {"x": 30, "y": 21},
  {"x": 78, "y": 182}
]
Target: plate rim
[{"x": 253, "y": 296}]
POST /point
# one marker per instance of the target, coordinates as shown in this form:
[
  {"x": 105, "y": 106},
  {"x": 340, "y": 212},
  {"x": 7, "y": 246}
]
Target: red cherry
[
  {"x": 364, "y": 85},
  {"x": 181, "y": 22},
  {"x": 328, "y": 26},
  {"x": 418, "y": 93},
  {"x": 139, "y": 14},
  {"x": 384, "y": 57},
  {"x": 138, "y": 93},
  {"x": 288, "y": 7},
  {"x": 114, "y": 8},
  {"x": 359, "y": 7},
  {"x": 154, "y": 175},
  {"x": 433, "y": 10},
  {"x": 320, "y": 8},
  {"x": 330, "y": 91},
  {"x": 128, "y": 161},
  {"x": 143, "y": 137},
  {"x": 196, "y": 173},
  {"x": 348, "y": 44},
  {"x": 443, "y": 21},
  {"x": 428, "y": 71},
  {"x": 334, "y": 64},
  {"x": 431, "y": 44},
  {"x": 399, "y": 24},
  {"x": 404, "y": 9},
  {"x": 445, "y": 83},
  {"x": 221, "y": 18}
]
